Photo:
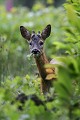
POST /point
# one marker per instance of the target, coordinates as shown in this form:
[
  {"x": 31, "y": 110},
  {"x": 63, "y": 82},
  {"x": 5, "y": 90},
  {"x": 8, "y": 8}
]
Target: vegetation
[{"x": 18, "y": 69}]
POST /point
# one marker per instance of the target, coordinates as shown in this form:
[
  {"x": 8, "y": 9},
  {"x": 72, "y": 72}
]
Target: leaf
[
  {"x": 72, "y": 16},
  {"x": 51, "y": 76},
  {"x": 63, "y": 86}
]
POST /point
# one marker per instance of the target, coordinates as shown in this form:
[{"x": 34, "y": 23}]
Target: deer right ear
[{"x": 25, "y": 33}]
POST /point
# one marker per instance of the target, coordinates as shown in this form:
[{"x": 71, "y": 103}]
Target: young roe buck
[{"x": 36, "y": 42}]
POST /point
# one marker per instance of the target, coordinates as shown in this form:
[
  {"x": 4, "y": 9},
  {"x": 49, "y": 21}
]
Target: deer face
[{"x": 36, "y": 41}]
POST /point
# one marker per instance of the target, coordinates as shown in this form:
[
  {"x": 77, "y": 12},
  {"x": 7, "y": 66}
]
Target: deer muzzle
[{"x": 35, "y": 51}]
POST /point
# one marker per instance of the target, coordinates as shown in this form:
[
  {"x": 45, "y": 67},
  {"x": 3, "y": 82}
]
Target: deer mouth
[{"x": 35, "y": 51}]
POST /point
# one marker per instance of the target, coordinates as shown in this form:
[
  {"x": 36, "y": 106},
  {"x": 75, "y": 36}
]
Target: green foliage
[{"x": 17, "y": 67}]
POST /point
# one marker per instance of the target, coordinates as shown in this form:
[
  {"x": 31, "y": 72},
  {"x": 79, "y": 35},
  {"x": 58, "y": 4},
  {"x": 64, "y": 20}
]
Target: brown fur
[{"x": 45, "y": 84}]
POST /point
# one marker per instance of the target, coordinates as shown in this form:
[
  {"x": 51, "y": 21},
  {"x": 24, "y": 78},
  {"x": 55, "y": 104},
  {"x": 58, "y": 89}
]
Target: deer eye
[
  {"x": 41, "y": 43},
  {"x": 30, "y": 43}
]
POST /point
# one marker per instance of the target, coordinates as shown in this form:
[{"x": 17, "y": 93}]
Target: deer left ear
[{"x": 46, "y": 32}]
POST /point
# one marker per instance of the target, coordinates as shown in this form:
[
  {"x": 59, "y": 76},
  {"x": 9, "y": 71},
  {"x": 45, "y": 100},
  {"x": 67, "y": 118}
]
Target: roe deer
[{"x": 36, "y": 42}]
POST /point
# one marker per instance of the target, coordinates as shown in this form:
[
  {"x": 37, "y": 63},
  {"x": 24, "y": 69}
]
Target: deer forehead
[{"x": 35, "y": 37}]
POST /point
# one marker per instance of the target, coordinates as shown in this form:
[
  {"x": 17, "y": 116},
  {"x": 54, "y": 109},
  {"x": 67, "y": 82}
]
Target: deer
[{"x": 36, "y": 43}]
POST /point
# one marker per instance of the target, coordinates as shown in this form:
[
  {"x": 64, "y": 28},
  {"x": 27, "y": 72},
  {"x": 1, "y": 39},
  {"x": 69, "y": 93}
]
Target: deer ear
[
  {"x": 46, "y": 32},
  {"x": 25, "y": 33}
]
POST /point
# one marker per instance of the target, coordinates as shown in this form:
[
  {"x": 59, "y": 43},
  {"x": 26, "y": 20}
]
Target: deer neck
[{"x": 41, "y": 60}]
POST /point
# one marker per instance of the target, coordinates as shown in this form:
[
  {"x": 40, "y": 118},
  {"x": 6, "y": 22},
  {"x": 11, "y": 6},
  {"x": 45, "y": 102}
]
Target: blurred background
[
  {"x": 10, "y": 3},
  {"x": 35, "y": 15}
]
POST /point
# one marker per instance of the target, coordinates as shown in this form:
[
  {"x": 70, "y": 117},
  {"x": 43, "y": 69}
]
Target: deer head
[{"x": 35, "y": 41}]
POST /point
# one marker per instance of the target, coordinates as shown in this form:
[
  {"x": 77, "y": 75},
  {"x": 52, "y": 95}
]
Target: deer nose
[{"x": 35, "y": 51}]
